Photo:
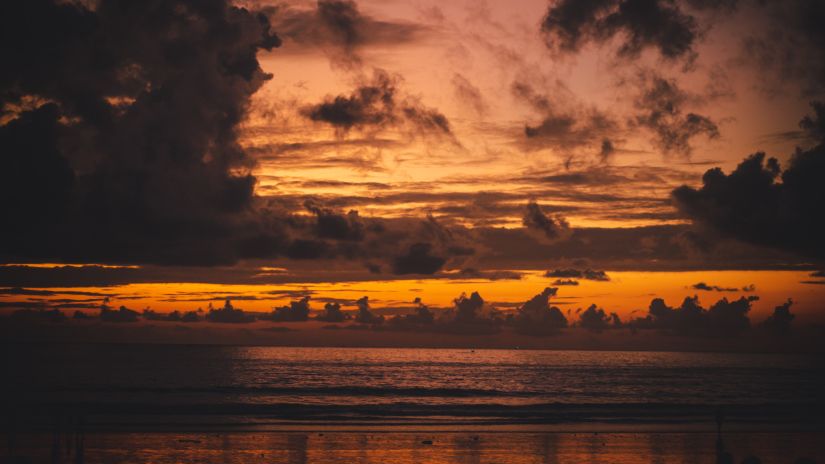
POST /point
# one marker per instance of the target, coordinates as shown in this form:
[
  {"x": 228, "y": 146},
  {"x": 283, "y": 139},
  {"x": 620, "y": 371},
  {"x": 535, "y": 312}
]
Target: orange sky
[{"x": 487, "y": 69}]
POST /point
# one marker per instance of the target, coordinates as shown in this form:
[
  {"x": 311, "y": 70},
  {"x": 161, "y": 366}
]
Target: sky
[{"x": 169, "y": 155}]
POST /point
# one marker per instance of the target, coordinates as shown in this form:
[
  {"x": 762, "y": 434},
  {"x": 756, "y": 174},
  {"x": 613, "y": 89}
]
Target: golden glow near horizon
[{"x": 627, "y": 293}]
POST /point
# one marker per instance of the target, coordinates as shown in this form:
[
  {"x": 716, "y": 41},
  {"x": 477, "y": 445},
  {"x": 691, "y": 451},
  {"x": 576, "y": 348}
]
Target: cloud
[
  {"x": 376, "y": 105},
  {"x": 120, "y": 315},
  {"x": 780, "y": 320},
  {"x": 723, "y": 318},
  {"x": 364, "y": 315},
  {"x": 760, "y": 203},
  {"x": 228, "y": 314},
  {"x": 133, "y": 155},
  {"x": 788, "y": 44},
  {"x": 339, "y": 27},
  {"x": 597, "y": 320},
  {"x": 551, "y": 227},
  {"x": 332, "y": 313},
  {"x": 537, "y": 317},
  {"x": 468, "y": 94},
  {"x": 417, "y": 260},
  {"x": 587, "y": 274},
  {"x": 421, "y": 318},
  {"x": 660, "y": 109},
  {"x": 565, "y": 125},
  {"x": 716, "y": 288},
  {"x": 296, "y": 311},
  {"x": 565, "y": 282},
  {"x": 337, "y": 226},
  {"x": 639, "y": 24}
]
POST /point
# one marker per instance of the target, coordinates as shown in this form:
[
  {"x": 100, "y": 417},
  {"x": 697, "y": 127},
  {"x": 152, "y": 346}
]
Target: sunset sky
[{"x": 169, "y": 156}]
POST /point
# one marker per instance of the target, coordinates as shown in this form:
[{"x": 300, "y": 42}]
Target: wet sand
[{"x": 425, "y": 447}]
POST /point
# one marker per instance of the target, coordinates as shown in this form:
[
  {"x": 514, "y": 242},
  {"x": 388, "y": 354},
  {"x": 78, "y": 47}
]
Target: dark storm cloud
[
  {"x": 133, "y": 156},
  {"x": 339, "y": 27},
  {"x": 752, "y": 205},
  {"x": 723, "y": 318},
  {"x": 639, "y": 24},
  {"x": 550, "y": 226},
  {"x": 661, "y": 109},
  {"x": 332, "y": 313},
  {"x": 378, "y": 104}
]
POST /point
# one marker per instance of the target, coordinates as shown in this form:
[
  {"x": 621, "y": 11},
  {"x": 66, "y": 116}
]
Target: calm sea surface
[{"x": 188, "y": 386}]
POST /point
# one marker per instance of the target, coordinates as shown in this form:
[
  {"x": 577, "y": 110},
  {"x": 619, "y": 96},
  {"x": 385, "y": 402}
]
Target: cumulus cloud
[
  {"x": 596, "y": 319},
  {"x": 296, "y": 311},
  {"x": 763, "y": 204},
  {"x": 661, "y": 24},
  {"x": 228, "y": 314},
  {"x": 723, "y": 318},
  {"x": 421, "y": 318},
  {"x": 364, "y": 315},
  {"x": 538, "y": 317},
  {"x": 332, "y": 313},
  {"x": 780, "y": 320}
]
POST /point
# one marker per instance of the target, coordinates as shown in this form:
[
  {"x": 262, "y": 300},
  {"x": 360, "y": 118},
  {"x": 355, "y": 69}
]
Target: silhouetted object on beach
[
  {"x": 722, "y": 455},
  {"x": 228, "y": 314}
]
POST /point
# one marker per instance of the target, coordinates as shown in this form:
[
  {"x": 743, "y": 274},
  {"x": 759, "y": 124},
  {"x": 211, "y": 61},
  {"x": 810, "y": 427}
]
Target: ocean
[{"x": 196, "y": 393}]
